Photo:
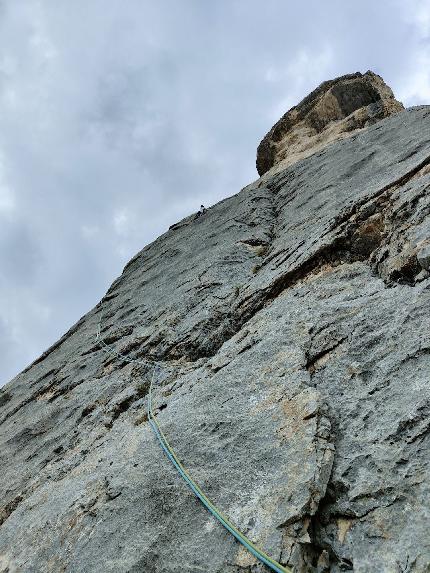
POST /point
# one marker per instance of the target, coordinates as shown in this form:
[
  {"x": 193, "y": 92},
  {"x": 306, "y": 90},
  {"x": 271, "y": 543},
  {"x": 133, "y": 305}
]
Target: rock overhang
[{"x": 334, "y": 110}]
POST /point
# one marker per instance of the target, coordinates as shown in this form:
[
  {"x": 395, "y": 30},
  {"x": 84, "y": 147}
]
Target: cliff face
[{"x": 291, "y": 324}]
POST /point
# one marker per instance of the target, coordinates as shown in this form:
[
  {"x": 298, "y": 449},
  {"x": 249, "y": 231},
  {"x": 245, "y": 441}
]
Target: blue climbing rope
[{"x": 168, "y": 450}]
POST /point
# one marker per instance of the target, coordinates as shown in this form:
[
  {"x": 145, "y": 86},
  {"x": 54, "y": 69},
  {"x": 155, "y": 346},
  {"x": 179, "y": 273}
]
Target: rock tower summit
[
  {"x": 332, "y": 111},
  {"x": 291, "y": 326}
]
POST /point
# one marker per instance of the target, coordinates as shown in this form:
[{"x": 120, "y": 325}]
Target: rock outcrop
[
  {"x": 334, "y": 110},
  {"x": 291, "y": 324}
]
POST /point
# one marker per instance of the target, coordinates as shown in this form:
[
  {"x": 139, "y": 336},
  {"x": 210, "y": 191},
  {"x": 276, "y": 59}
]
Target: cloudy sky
[{"x": 119, "y": 118}]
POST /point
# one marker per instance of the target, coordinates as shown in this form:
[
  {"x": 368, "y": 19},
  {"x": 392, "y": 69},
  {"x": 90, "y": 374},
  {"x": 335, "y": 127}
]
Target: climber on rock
[{"x": 201, "y": 211}]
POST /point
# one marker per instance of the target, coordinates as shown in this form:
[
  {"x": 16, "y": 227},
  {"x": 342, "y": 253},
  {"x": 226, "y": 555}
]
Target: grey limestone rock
[
  {"x": 291, "y": 325},
  {"x": 423, "y": 257}
]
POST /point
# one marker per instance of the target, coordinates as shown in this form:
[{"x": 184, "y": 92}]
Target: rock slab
[{"x": 291, "y": 324}]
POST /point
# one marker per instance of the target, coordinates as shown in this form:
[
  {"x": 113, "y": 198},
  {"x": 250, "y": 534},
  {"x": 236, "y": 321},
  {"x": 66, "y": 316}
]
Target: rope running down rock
[{"x": 167, "y": 448}]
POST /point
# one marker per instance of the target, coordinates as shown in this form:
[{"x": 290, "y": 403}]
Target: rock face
[
  {"x": 291, "y": 324},
  {"x": 334, "y": 110}
]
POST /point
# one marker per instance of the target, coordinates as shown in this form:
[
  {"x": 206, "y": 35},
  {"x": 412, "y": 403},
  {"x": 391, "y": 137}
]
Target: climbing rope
[{"x": 223, "y": 519}]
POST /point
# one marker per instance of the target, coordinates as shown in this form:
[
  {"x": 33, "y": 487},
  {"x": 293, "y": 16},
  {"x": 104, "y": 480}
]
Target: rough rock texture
[
  {"x": 292, "y": 325},
  {"x": 334, "y": 110}
]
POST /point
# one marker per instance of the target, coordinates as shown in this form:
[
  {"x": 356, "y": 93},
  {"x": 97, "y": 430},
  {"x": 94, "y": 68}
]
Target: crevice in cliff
[
  {"x": 361, "y": 231},
  {"x": 9, "y": 508},
  {"x": 325, "y": 259},
  {"x": 316, "y": 361},
  {"x": 328, "y": 527},
  {"x": 414, "y": 426},
  {"x": 319, "y": 554},
  {"x": 417, "y": 171},
  {"x": 5, "y": 397}
]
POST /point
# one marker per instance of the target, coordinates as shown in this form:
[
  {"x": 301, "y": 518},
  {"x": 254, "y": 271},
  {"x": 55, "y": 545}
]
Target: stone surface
[
  {"x": 333, "y": 111},
  {"x": 291, "y": 324},
  {"x": 423, "y": 256}
]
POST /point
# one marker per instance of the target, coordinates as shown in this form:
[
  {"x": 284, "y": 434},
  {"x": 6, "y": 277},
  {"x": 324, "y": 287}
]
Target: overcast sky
[{"x": 119, "y": 118}]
